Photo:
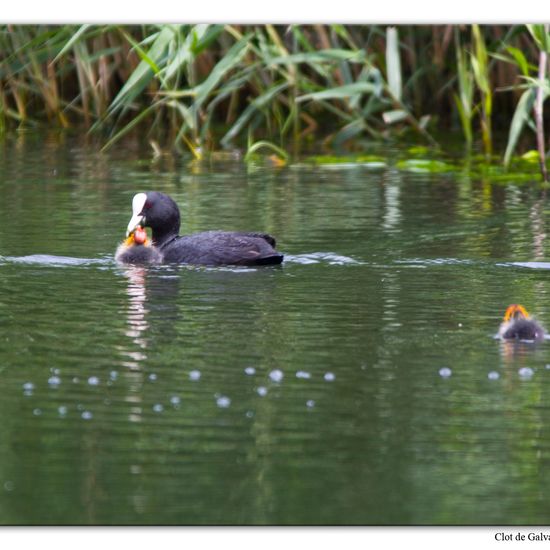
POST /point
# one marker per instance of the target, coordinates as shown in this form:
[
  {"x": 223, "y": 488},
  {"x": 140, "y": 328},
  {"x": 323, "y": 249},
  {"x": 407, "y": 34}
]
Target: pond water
[{"x": 358, "y": 383}]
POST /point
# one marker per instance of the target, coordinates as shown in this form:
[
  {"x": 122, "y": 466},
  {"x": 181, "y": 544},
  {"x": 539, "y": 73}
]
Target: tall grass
[{"x": 200, "y": 88}]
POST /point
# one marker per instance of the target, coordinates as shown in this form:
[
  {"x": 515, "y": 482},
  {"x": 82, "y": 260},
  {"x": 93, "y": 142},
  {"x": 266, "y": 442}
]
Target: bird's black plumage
[{"x": 162, "y": 215}]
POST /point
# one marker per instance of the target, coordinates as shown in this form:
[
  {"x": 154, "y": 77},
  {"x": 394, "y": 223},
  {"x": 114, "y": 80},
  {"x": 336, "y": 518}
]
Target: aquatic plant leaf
[
  {"x": 393, "y": 63},
  {"x": 357, "y": 56},
  {"x": 228, "y": 61},
  {"x": 72, "y": 41},
  {"x": 341, "y": 92},
  {"x": 521, "y": 116},
  {"x": 397, "y": 115},
  {"x": 265, "y": 145},
  {"x": 541, "y": 36},
  {"x": 255, "y": 106},
  {"x": 146, "y": 69}
]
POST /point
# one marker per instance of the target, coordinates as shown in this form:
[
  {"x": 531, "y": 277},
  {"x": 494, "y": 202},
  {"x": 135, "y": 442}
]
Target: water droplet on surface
[
  {"x": 54, "y": 381},
  {"x": 28, "y": 386},
  {"x": 62, "y": 410},
  {"x": 261, "y": 391},
  {"x": 249, "y": 414},
  {"x": 152, "y": 377},
  {"x": 75, "y": 380},
  {"x": 329, "y": 377},
  {"x": 303, "y": 374},
  {"x": 37, "y": 412},
  {"x": 250, "y": 371},
  {"x": 158, "y": 408},
  {"x": 87, "y": 415},
  {"x": 93, "y": 381},
  {"x": 223, "y": 402},
  {"x": 525, "y": 373},
  {"x": 175, "y": 400},
  {"x": 195, "y": 375},
  {"x": 310, "y": 403},
  {"x": 8, "y": 486},
  {"x": 547, "y": 366},
  {"x": 493, "y": 375},
  {"x": 276, "y": 375},
  {"x": 445, "y": 372}
]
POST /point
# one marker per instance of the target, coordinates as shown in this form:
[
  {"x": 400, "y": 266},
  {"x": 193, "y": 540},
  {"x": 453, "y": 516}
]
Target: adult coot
[
  {"x": 159, "y": 212},
  {"x": 138, "y": 249},
  {"x": 519, "y": 325}
]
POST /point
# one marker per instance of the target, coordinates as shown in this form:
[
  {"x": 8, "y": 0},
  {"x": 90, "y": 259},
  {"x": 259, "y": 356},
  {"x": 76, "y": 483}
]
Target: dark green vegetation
[{"x": 275, "y": 90}]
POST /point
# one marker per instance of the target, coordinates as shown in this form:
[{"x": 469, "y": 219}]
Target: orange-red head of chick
[{"x": 517, "y": 324}]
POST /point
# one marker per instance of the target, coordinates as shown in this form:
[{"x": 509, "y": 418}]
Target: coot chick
[
  {"x": 519, "y": 325},
  {"x": 138, "y": 249},
  {"x": 159, "y": 212}
]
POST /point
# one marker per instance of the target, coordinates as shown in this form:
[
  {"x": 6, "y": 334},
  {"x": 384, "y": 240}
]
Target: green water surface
[{"x": 358, "y": 384}]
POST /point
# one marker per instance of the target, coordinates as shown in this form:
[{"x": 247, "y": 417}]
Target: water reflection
[{"x": 137, "y": 325}]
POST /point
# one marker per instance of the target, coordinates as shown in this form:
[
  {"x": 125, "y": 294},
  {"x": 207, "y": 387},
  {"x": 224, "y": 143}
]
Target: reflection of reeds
[{"x": 199, "y": 87}]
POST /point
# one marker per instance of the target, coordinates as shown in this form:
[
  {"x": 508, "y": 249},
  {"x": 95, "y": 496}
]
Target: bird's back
[{"x": 223, "y": 248}]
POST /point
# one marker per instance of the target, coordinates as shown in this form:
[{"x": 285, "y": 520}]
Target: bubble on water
[
  {"x": 445, "y": 372},
  {"x": 310, "y": 403},
  {"x": 175, "y": 400},
  {"x": 303, "y": 374},
  {"x": 223, "y": 402},
  {"x": 28, "y": 386},
  {"x": 547, "y": 366},
  {"x": 37, "y": 412},
  {"x": 152, "y": 377},
  {"x": 249, "y": 414},
  {"x": 113, "y": 375},
  {"x": 329, "y": 377},
  {"x": 195, "y": 375},
  {"x": 55, "y": 371},
  {"x": 158, "y": 408},
  {"x": 62, "y": 410},
  {"x": 262, "y": 390},
  {"x": 250, "y": 371},
  {"x": 460, "y": 324},
  {"x": 493, "y": 375},
  {"x": 87, "y": 415},
  {"x": 8, "y": 485},
  {"x": 76, "y": 380},
  {"x": 525, "y": 373},
  {"x": 54, "y": 381},
  {"x": 276, "y": 375},
  {"x": 93, "y": 381}
]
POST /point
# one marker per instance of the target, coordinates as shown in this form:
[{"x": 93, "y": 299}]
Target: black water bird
[
  {"x": 517, "y": 324},
  {"x": 159, "y": 212}
]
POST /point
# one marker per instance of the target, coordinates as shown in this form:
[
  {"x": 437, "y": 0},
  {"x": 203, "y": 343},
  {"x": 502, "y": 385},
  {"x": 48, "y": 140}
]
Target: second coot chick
[
  {"x": 159, "y": 212},
  {"x": 519, "y": 325}
]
